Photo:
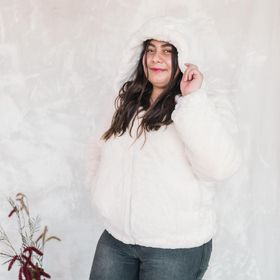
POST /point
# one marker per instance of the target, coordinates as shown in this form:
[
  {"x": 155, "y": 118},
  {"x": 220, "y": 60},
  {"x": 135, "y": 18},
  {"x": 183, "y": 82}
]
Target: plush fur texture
[{"x": 161, "y": 194}]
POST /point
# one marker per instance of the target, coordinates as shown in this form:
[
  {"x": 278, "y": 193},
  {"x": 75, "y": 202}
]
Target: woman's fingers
[
  {"x": 192, "y": 72},
  {"x": 192, "y": 79},
  {"x": 189, "y": 71}
]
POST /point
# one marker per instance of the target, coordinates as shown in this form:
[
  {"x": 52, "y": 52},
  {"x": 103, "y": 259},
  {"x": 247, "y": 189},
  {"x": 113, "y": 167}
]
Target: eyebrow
[{"x": 163, "y": 45}]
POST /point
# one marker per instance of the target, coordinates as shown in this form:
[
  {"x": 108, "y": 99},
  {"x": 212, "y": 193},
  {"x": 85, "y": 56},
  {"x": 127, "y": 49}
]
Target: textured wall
[{"x": 57, "y": 63}]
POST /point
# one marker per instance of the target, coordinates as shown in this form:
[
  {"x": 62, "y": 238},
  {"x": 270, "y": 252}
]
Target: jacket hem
[{"x": 178, "y": 244}]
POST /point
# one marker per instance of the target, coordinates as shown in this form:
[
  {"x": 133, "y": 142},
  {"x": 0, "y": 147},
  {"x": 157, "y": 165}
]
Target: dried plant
[{"x": 30, "y": 254}]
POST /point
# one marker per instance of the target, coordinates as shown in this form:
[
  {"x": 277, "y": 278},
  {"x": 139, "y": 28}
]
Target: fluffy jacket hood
[{"x": 182, "y": 33}]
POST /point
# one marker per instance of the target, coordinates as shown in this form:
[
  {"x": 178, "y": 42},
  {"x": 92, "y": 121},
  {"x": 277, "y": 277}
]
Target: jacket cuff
[
  {"x": 195, "y": 95},
  {"x": 191, "y": 99}
]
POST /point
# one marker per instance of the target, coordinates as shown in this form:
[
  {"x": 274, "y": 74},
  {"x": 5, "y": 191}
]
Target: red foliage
[{"x": 27, "y": 266}]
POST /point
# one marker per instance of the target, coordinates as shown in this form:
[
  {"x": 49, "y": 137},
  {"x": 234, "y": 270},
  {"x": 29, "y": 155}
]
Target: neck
[{"x": 155, "y": 94}]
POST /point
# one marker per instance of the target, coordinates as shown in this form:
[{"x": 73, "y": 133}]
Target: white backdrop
[{"x": 58, "y": 59}]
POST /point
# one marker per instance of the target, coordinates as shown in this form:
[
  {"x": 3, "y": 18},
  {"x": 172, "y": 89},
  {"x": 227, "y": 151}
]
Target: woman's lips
[{"x": 157, "y": 69}]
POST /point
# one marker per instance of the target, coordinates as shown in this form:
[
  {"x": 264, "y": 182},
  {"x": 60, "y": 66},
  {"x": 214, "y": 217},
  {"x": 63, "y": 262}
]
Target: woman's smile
[{"x": 158, "y": 70}]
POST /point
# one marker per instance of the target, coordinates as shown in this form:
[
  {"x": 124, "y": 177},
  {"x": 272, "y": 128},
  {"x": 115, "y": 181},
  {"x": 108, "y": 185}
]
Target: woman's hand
[{"x": 192, "y": 79}]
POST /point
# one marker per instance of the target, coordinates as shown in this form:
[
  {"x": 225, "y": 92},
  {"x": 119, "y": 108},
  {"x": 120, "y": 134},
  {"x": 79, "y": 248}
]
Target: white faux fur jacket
[{"x": 162, "y": 195}]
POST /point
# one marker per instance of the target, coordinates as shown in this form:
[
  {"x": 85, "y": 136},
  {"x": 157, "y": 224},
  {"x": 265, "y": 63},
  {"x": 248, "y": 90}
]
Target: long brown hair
[{"x": 136, "y": 93}]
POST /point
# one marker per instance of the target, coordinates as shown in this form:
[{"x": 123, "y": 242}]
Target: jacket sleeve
[{"x": 209, "y": 132}]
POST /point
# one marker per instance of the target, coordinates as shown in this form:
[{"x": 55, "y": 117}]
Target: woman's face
[{"x": 159, "y": 63}]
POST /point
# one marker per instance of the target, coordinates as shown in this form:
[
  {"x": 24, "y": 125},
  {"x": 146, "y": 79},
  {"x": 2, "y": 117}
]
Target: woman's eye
[{"x": 164, "y": 51}]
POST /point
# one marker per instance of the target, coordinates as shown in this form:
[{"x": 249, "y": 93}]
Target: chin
[
  {"x": 159, "y": 84},
  {"x": 159, "y": 80}
]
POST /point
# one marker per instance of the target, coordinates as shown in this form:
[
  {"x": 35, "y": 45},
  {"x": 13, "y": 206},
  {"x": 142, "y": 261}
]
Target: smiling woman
[{"x": 154, "y": 197}]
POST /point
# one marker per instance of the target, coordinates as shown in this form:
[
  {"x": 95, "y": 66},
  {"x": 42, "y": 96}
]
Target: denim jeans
[{"x": 115, "y": 260}]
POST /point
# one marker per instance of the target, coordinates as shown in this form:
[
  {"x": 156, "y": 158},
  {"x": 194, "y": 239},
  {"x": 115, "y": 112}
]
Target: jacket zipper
[{"x": 130, "y": 198}]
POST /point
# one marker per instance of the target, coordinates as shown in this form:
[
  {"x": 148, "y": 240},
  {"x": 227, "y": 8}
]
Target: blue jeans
[{"x": 115, "y": 260}]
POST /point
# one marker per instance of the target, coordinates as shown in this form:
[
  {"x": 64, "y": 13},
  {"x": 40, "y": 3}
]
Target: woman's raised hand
[{"x": 192, "y": 79}]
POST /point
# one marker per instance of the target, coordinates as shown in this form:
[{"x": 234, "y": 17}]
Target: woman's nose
[{"x": 157, "y": 57}]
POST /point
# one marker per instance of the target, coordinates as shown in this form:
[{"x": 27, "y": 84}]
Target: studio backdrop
[{"x": 58, "y": 61}]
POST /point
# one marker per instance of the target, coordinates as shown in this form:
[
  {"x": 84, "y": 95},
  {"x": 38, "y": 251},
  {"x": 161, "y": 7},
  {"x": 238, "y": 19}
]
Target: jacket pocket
[{"x": 207, "y": 250}]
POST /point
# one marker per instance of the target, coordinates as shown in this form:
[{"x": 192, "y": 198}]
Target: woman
[{"x": 153, "y": 183}]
